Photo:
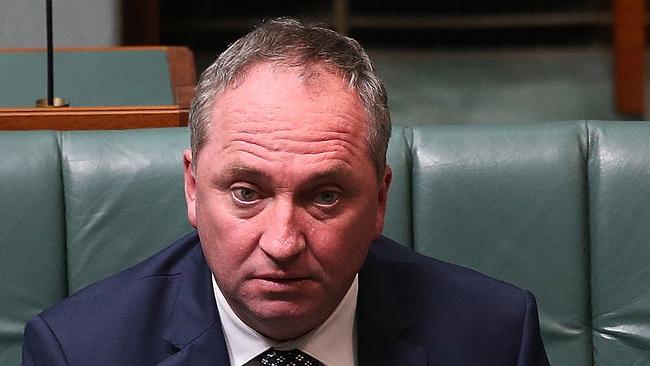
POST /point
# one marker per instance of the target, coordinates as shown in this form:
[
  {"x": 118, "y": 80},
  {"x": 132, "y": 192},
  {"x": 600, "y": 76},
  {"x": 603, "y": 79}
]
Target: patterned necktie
[{"x": 294, "y": 357}]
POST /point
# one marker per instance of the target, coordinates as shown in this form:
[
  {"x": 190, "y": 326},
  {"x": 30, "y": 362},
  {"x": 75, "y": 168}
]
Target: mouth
[{"x": 278, "y": 280}]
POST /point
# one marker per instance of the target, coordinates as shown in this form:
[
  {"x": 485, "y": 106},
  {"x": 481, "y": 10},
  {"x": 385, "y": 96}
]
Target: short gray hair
[{"x": 288, "y": 42}]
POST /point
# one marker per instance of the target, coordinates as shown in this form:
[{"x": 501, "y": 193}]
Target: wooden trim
[
  {"x": 629, "y": 57},
  {"x": 87, "y": 49},
  {"x": 344, "y": 20},
  {"x": 92, "y": 118},
  {"x": 182, "y": 69},
  {"x": 341, "y": 11},
  {"x": 491, "y": 21},
  {"x": 182, "y": 72}
]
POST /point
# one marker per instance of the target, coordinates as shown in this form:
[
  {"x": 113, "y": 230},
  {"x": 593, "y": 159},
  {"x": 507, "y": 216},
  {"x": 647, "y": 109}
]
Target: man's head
[
  {"x": 283, "y": 182},
  {"x": 288, "y": 42}
]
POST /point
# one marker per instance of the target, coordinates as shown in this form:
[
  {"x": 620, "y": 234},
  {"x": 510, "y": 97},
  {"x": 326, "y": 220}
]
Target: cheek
[
  {"x": 226, "y": 240},
  {"x": 343, "y": 242}
]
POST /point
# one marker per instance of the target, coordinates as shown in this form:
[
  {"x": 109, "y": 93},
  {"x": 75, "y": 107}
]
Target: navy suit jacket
[{"x": 412, "y": 310}]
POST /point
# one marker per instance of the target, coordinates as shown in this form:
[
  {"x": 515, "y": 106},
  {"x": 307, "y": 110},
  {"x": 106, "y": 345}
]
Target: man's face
[{"x": 285, "y": 197}]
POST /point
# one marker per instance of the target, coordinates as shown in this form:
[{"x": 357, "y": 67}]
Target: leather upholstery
[
  {"x": 510, "y": 201},
  {"x": 32, "y": 237},
  {"x": 619, "y": 176},
  {"x": 398, "y": 223},
  {"x": 561, "y": 209},
  {"x": 124, "y": 198},
  {"x": 127, "y": 77}
]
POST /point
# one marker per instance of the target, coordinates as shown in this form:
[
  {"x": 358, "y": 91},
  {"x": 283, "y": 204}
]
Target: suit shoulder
[
  {"x": 123, "y": 319},
  {"x": 446, "y": 306},
  {"x": 156, "y": 271},
  {"x": 429, "y": 276}
]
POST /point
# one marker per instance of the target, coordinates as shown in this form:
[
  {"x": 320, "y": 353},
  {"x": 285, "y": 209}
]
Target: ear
[
  {"x": 382, "y": 198},
  {"x": 190, "y": 186}
]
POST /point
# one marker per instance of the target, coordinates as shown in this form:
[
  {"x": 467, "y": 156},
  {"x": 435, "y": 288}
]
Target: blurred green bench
[
  {"x": 561, "y": 209},
  {"x": 120, "y": 87}
]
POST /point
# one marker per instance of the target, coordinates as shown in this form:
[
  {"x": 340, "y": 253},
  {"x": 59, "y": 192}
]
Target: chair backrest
[
  {"x": 511, "y": 201},
  {"x": 123, "y": 194},
  {"x": 561, "y": 209},
  {"x": 619, "y": 251},
  {"x": 99, "y": 76},
  {"x": 106, "y": 88},
  {"x": 32, "y": 234}
]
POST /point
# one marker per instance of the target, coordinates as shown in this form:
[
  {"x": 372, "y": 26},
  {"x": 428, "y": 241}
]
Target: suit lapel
[
  {"x": 194, "y": 327},
  {"x": 207, "y": 349},
  {"x": 195, "y": 330},
  {"x": 382, "y": 321}
]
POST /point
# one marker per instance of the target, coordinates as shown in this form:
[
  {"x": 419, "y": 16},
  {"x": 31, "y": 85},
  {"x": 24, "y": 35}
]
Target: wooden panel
[
  {"x": 182, "y": 72},
  {"x": 182, "y": 76},
  {"x": 629, "y": 56},
  {"x": 341, "y": 10},
  {"x": 100, "y": 118},
  {"x": 177, "y": 62}
]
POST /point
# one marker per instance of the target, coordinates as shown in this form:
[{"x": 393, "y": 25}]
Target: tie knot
[{"x": 294, "y": 357}]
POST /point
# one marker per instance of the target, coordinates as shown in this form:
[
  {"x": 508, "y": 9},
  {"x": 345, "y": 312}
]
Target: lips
[{"x": 282, "y": 280}]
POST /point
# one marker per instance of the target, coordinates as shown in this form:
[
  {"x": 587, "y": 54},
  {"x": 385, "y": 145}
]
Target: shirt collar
[{"x": 332, "y": 343}]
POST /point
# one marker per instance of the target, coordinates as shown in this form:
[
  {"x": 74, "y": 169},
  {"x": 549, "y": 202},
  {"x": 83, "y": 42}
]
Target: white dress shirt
[{"x": 334, "y": 343}]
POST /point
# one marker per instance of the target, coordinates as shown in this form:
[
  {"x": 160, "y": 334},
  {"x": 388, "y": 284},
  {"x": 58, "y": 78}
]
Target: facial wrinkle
[
  {"x": 297, "y": 141},
  {"x": 263, "y": 153}
]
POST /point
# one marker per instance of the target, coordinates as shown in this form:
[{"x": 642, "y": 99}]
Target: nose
[{"x": 282, "y": 239}]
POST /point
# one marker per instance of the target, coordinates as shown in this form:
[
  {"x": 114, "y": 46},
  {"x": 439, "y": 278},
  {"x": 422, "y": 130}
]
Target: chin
[
  {"x": 283, "y": 311},
  {"x": 282, "y": 321}
]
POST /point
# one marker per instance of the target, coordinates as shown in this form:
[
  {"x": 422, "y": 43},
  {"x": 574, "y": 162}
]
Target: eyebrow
[
  {"x": 337, "y": 172},
  {"x": 247, "y": 172},
  {"x": 240, "y": 170}
]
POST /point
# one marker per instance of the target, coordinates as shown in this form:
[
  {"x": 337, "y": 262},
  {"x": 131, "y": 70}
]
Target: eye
[
  {"x": 327, "y": 198},
  {"x": 245, "y": 195}
]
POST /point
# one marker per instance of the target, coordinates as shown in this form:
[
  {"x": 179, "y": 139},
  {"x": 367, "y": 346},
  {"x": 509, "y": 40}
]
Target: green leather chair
[
  {"x": 558, "y": 208},
  {"x": 32, "y": 234},
  {"x": 87, "y": 77}
]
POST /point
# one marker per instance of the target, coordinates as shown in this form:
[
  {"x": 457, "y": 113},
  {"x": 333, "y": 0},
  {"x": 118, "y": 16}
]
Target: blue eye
[
  {"x": 245, "y": 195},
  {"x": 327, "y": 198}
]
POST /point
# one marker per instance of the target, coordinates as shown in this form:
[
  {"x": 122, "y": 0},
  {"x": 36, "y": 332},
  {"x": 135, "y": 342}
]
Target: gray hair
[{"x": 288, "y": 42}]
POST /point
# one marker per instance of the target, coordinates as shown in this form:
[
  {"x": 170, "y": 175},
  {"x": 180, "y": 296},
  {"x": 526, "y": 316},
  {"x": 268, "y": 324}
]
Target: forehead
[
  {"x": 275, "y": 101},
  {"x": 266, "y": 84}
]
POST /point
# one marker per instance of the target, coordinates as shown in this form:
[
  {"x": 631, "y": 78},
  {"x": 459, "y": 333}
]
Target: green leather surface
[
  {"x": 124, "y": 198},
  {"x": 87, "y": 78},
  {"x": 510, "y": 201},
  {"x": 32, "y": 241},
  {"x": 557, "y": 208},
  {"x": 398, "y": 224},
  {"x": 483, "y": 86},
  {"x": 619, "y": 177}
]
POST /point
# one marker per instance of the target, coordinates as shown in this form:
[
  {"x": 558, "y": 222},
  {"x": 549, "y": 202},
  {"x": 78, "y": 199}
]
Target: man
[{"x": 286, "y": 184}]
